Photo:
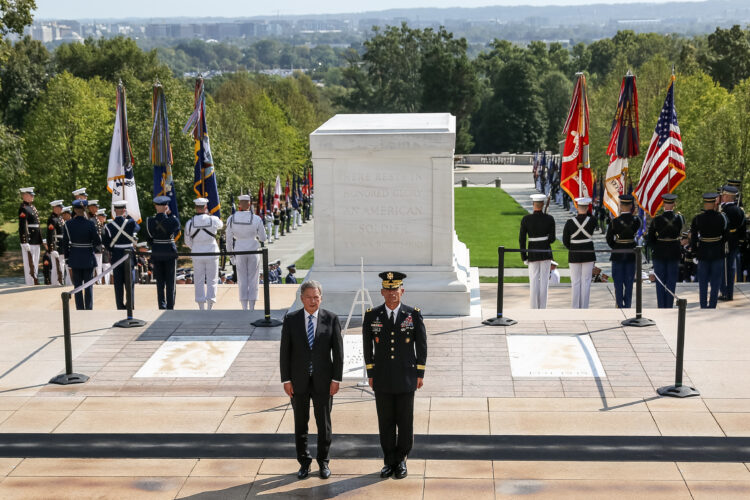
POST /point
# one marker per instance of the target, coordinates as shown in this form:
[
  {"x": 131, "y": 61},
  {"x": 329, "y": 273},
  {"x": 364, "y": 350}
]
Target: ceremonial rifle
[
  {"x": 32, "y": 264},
  {"x": 546, "y": 203},
  {"x": 57, "y": 259}
]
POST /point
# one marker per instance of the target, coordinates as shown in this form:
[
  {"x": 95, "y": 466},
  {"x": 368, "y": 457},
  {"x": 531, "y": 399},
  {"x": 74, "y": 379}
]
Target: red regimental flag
[{"x": 575, "y": 174}]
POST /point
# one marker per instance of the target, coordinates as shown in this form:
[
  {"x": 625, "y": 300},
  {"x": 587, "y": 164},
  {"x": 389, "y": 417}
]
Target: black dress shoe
[
  {"x": 401, "y": 470},
  {"x": 303, "y": 471},
  {"x": 325, "y": 472},
  {"x": 723, "y": 298},
  {"x": 386, "y": 471}
]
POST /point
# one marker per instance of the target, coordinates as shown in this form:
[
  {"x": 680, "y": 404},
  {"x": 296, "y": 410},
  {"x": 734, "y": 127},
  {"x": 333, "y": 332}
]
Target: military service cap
[
  {"x": 392, "y": 279},
  {"x": 200, "y": 202},
  {"x": 244, "y": 197},
  {"x": 729, "y": 189},
  {"x": 734, "y": 182},
  {"x": 120, "y": 204},
  {"x": 56, "y": 203},
  {"x": 102, "y": 212},
  {"x": 80, "y": 192},
  {"x": 669, "y": 197},
  {"x": 709, "y": 197},
  {"x": 583, "y": 201},
  {"x": 94, "y": 202},
  {"x": 79, "y": 203},
  {"x": 67, "y": 209},
  {"x": 29, "y": 190},
  {"x": 162, "y": 200},
  {"x": 626, "y": 199},
  {"x": 537, "y": 198}
]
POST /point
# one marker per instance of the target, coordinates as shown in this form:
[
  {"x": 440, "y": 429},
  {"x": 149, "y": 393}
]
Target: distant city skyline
[{"x": 108, "y": 9}]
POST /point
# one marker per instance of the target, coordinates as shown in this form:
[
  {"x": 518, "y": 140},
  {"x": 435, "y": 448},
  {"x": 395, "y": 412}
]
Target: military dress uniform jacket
[
  {"x": 28, "y": 224},
  {"x": 395, "y": 355},
  {"x": 577, "y": 235},
  {"x": 708, "y": 234},
  {"x": 80, "y": 236},
  {"x": 162, "y": 229},
  {"x": 621, "y": 235},
  {"x": 54, "y": 232},
  {"x": 736, "y": 225},
  {"x": 540, "y": 229},
  {"x": 664, "y": 236},
  {"x": 120, "y": 235}
]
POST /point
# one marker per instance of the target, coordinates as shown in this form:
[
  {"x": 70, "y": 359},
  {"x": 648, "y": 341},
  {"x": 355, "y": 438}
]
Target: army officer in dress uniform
[
  {"x": 395, "y": 351},
  {"x": 736, "y": 229},
  {"x": 80, "y": 236},
  {"x": 621, "y": 236},
  {"x": 29, "y": 235},
  {"x": 664, "y": 239},
  {"x": 707, "y": 237},
  {"x": 162, "y": 229},
  {"x": 540, "y": 230},
  {"x": 119, "y": 236}
]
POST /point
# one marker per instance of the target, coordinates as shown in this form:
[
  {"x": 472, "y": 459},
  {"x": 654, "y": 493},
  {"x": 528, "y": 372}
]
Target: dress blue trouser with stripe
[
  {"x": 709, "y": 271},
  {"x": 667, "y": 271},
  {"x": 727, "y": 282},
  {"x": 623, "y": 273}
]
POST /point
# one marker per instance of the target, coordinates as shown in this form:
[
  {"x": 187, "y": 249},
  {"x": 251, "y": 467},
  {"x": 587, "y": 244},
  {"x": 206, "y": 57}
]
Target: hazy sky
[{"x": 87, "y": 9}]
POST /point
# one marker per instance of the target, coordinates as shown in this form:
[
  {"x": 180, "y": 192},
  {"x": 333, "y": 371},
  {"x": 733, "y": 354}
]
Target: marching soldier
[
  {"x": 664, "y": 239},
  {"x": 80, "y": 236},
  {"x": 736, "y": 230},
  {"x": 118, "y": 237},
  {"x": 200, "y": 236},
  {"x": 577, "y": 235},
  {"x": 30, "y": 236},
  {"x": 540, "y": 229},
  {"x": 245, "y": 232},
  {"x": 54, "y": 242},
  {"x": 162, "y": 230},
  {"x": 708, "y": 235},
  {"x": 621, "y": 235},
  {"x": 395, "y": 352}
]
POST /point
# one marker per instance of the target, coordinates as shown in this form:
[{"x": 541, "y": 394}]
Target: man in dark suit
[
  {"x": 80, "y": 236},
  {"x": 395, "y": 352},
  {"x": 311, "y": 365}
]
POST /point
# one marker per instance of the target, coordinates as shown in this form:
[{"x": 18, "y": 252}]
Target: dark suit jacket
[{"x": 327, "y": 354}]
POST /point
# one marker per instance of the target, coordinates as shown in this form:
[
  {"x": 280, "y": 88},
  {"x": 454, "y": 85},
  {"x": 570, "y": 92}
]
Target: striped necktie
[{"x": 310, "y": 339}]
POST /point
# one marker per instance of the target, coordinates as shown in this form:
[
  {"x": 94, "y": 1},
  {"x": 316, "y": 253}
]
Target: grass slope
[{"x": 487, "y": 218}]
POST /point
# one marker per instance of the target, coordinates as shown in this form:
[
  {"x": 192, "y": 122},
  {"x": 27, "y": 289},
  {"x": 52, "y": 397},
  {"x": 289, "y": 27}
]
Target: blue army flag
[
  {"x": 120, "y": 180},
  {"x": 204, "y": 183},
  {"x": 295, "y": 188},
  {"x": 161, "y": 150}
]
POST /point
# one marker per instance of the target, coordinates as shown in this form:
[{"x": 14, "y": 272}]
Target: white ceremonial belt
[
  {"x": 124, "y": 245},
  {"x": 59, "y": 236},
  {"x": 587, "y": 240},
  {"x": 32, "y": 225},
  {"x": 540, "y": 238}
]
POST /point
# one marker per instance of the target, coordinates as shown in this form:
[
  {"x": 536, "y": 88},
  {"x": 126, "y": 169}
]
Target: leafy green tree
[
  {"x": 728, "y": 56},
  {"x": 555, "y": 89},
  {"x": 12, "y": 173},
  {"x": 23, "y": 77},
  {"x": 15, "y": 15}
]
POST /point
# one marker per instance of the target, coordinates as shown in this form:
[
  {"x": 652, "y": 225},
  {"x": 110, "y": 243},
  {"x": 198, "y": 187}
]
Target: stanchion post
[
  {"x": 68, "y": 377},
  {"x": 639, "y": 320},
  {"x": 678, "y": 390},
  {"x": 129, "y": 322},
  {"x": 500, "y": 320},
  {"x": 267, "y": 321}
]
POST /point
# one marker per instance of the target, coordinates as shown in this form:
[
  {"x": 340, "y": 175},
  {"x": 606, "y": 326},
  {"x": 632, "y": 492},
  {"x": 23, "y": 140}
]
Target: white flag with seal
[{"x": 120, "y": 179}]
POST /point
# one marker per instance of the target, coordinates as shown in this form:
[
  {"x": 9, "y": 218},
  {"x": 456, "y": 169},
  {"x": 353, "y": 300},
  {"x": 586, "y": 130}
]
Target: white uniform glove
[
  {"x": 25, "y": 247},
  {"x": 526, "y": 263}
]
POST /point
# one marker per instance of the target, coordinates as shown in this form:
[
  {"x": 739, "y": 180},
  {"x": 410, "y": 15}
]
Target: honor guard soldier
[
  {"x": 29, "y": 235},
  {"x": 54, "y": 243},
  {"x": 577, "y": 236},
  {"x": 540, "y": 230},
  {"x": 736, "y": 229},
  {"x": 621, "y": 235},
  {"x": 687, "y": 259},
  {"x": 162, "y": 230},
  {"x": 80, "y": 194},
  {"x": 708, "y": 235},
  {"x": 67, "y": 213},
  {"x": 200, "y": 236},
  {"x": 245, "y": 232},
  {"x": 276, "y": 223},
  {"x": 118, "y": 237},
  {"x": 92, "y": 209},
  {"x": 395, "y": 352},
  {"x": 290, "y": 278},
  {"x": 80, "y": 236},
  {"x": 663, "y": 238}
]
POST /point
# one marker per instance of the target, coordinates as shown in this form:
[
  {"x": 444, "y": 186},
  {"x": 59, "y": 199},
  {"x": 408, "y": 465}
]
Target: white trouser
[
  {"x": 35, "y": 249},
  {"x": 248, "y": 271},
  {"x": 58, "y": 260},
  {"x": 105, "y": 266},
  {"x": 98, "y": 269},
  {"x": 275, "y": 232},
  {"x": 538, "y": 283},
  {"x": 205, "y": 278},
  {"x": 269, "y": 231},
  {"x": 580, "y": 278}
]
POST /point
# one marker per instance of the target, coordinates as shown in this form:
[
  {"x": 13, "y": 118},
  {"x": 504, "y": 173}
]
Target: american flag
[{"x": 664, "y": 166}]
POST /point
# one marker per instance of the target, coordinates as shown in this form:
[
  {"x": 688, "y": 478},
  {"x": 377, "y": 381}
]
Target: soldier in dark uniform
[
  {"x": 395, "y": 351},
  {"x": 30, "y": 236},
  {"x": 288, "y": 211},
  {"x": 577, "y": 236},
  {"x": 687, "y": 262},
  {"x": 290, "y": 278},
  {"x": 282, "y": 218},
  {"x": 663, "y": 238},
  {"x": 540, "y": 229},
  {"x": 306, "y": 204},
  {"x": 119, "y": 236},
  {"x": 93, "y": 208},
  {"x": 80, "y": 236},
  {"x": 276, "y": 223},
  {"x": 54, "y": 240},
  {"x": 736, "y": 229},
  {"x": 621, "y": 235},
  {"x": 707, "y": 237},
  {"x": 162, "y": 230}
]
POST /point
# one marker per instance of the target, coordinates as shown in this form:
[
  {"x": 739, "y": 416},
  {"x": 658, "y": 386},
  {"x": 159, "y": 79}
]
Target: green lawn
[
  {"x": 306, "y": 261},
  {"x": 487, "y": 218}
]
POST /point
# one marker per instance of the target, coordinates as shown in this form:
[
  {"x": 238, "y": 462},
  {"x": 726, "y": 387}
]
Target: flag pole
[
  {"x": 669, "y": 172},
  {"x": 580, "y": 135}
]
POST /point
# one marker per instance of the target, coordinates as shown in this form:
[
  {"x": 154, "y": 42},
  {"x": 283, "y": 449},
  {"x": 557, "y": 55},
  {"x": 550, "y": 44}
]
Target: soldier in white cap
[
  {"x": 30, "y": 236},
  {"x": 200, "y": 236},
  {"x": 80, "y": 194},
  {"x": 577, "y": 237},
  {"x": 539, "y": 227},
  {"x": 54, "y": 241},
  {"x": 245, "y": 232}
]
